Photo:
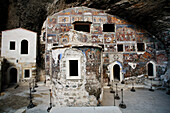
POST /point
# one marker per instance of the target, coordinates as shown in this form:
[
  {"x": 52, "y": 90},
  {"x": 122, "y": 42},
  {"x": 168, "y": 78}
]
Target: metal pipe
[
  {"x": 114, "y": 98},
  {"x": 112, "y": 91},
  {"x": 133, "y": 89},
  {"x": 49, "y": 108},
  {"x": 33, "y": 86},
  {"x": 117, "y": 96},
  {"x": 122, "y": 104},
  {"x": 151, "y": 86},
  {"x": 31, "y": 105}
]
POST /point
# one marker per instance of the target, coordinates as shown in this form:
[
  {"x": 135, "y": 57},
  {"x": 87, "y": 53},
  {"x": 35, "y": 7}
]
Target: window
[
  {"x": 82, "y": 26},
  {"x": 108, "y": 28},
  {"x": 27, "y": 73},
  {"x": 73, "y": 64},
  {"x": 120, "y": 48},
  {"x": 140, "y": 46},
  {"x": 24, "y": 47},
  {"x": 12, "y": 45},
  {"x": 55, "y": 44},
  {"x": 73, "y": 70}
]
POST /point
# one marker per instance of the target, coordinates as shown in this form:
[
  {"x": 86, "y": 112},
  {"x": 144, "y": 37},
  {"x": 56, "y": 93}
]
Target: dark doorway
[
  {"x": 116, "y": 72},
  {"x": 150, "y": 69},
  {"x": 13, "y": 75}
]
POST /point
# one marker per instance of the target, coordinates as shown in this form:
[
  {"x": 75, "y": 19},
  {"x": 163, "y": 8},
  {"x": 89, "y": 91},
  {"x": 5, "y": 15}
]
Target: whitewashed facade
[{"x": 18, "y": 47}]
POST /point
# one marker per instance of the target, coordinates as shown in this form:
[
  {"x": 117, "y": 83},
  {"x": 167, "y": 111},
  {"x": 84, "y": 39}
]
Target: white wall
[{"x": 18, "y": 35}]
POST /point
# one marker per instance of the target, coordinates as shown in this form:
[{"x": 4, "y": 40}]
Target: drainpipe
[{"x": 101, "y": 68}]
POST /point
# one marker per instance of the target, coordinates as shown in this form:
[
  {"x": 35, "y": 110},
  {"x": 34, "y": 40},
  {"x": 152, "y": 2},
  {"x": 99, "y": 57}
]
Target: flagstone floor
[{"x": 141, "y": 101}]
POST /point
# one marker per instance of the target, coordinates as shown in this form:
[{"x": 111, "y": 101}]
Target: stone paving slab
[{"x": 141, "y": 101}]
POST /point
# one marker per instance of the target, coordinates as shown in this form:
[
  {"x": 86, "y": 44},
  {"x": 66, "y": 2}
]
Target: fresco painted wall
[{"x": 125, "y": 33}]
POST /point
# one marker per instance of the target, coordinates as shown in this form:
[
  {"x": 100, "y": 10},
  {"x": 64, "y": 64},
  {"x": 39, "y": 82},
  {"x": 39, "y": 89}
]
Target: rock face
[{"x": 30, "y": 14}]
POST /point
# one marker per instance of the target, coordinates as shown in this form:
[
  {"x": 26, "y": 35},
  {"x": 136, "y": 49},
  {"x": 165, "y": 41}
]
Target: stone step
[
  {"x": 101, "y": 109},
  {"x": 154, "y": 83}
]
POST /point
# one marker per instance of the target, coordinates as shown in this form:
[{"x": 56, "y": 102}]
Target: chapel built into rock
[{"x": 85, "y": 46}]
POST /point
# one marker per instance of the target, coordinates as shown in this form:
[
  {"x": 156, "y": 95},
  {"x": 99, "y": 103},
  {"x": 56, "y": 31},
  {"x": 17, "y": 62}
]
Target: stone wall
[{"x": 68, "y": 91}]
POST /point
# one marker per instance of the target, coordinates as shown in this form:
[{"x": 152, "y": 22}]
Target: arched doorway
[
  {"x": 116, "y": 72},
  {"x": 13, "y": 75},
  {"x": 150, "y": 69}
]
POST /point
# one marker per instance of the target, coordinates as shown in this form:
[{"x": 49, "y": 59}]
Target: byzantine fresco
[
  {"x": 96, "y": 29},
  {"x": 110, "y": 48},
  {"x": 125, "y": 33},
  {"x": 82, "y": 37},
  {"x": 129, "y": 47},
  {"x": 109, "y": 38},
  {"x": 93, "y": 56}
]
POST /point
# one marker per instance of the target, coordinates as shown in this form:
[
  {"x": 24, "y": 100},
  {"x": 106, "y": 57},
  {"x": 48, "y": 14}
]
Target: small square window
[
  {"x": 12, "y": 45},
  {"x": 141, "y": 46},
  {"x": 27, "y": 73},
  {"x": 73, "y": 65},
  {"x": 108, "y": 27},
  {"x": 120, "y": 48}
]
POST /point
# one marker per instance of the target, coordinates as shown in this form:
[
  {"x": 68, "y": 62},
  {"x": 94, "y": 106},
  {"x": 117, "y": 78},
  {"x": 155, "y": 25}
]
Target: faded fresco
[{"x": 125, "y": 33}]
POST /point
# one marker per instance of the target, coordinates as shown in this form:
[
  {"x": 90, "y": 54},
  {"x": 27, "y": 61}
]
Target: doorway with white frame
[
  {"x": 115, "y": 71},
  {"x": 151, "y": 69}
]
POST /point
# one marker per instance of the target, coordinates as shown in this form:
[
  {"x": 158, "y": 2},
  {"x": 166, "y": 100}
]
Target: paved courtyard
[
  {"x": 141, "y": 101},
  {"x": 14, "y": 99}
]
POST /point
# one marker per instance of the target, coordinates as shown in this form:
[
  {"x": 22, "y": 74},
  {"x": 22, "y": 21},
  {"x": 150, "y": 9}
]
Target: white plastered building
[{"x": 18, "y": 47}]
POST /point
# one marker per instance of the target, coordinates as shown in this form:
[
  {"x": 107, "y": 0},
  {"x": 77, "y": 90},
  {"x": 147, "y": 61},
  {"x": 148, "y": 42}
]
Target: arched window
[{"x": 24, "y": 47}]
